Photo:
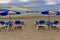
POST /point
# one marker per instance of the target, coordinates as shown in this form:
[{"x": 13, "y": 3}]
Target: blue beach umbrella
[
  {"x": 4, "y": 13},
  {"x": 57, "y": 13},
  {"x": 45, "y": 12},
  {"x": 17, "y": 12}
]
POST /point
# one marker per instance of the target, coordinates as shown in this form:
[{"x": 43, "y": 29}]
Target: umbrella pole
[
  {"x": 49, "y": 20},
  {"x": 9, "y": 20},
  {"x": 49, "y": 16}
]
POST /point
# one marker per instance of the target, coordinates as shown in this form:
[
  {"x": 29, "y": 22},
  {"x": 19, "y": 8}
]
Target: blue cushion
[
  {"x": 17, "y": 22},
  {"x": 36, "y": 22},
  {"x": 2, "y": 22},
  {"x": 56, "y": 22},
  {"x": 41, "y": 22},
  {"x": 49, "y": 23},
  {"x": 9, "y": 22},
  {"x": 22, "y": 23}
]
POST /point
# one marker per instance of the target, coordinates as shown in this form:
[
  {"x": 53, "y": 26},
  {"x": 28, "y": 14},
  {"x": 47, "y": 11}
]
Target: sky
[
  {"x": 31, "y": 3},
  {"x": 47, "y": 2}
]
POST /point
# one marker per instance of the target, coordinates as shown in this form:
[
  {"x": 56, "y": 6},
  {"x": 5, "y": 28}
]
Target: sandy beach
[
  {"x": 22, "y": 19},
  {"x": 29, "y": 32}
]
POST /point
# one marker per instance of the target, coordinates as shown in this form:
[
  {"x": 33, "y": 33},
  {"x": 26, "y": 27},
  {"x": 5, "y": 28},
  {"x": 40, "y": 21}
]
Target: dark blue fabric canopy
[
  {"x": 4, "y": 13},
  {"x": 45, "y": 12},
  {"x": 57, "y": 12},
  {"x": 16, "y": 12}
]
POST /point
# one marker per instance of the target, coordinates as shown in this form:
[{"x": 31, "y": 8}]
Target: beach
[{"x": 29, "y": 32}]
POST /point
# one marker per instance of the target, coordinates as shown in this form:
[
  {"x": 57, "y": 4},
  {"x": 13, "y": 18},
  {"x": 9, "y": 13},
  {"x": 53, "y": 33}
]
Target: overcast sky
[
  {"x": 42, "y": 4},
  {"x": 47, "y": 2}
]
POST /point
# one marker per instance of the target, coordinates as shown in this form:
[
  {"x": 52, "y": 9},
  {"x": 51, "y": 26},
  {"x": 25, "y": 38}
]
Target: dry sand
[{"x": 30, "y": 33}]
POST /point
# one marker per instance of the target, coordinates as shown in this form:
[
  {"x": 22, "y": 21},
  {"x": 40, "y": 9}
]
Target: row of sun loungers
[
  {"x": 10, "y": 24},
  {"x": 46, "y": 24},
  {"x": 38, "y": 23}
]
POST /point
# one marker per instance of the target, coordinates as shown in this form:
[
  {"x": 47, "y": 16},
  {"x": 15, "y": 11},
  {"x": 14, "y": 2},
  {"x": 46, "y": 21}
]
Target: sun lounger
[
  {"x": 19, "y": 23},
  {"x": 56, "y": 24},
  {"x": 49, "y": 23},
  {"x": 9, "y": 23},
  {"x": 40, "y": 23},
  {"x": 2, "y": 24}
]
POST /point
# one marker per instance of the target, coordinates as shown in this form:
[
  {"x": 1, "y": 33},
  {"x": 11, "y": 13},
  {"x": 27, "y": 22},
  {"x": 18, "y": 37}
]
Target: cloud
[
  {"x": 24, "y": 0},
  {"x": 12, "y": 1},
  {"x": 4, "y": 1},
  {"x": 45, "y": 2},
  {"x": 57, "y": 1},
  {"x": 50, "y": 2},
  {"x": 29, "y": 5}
]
